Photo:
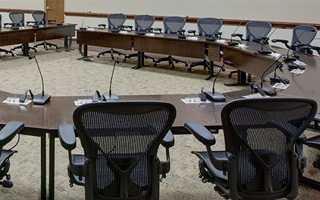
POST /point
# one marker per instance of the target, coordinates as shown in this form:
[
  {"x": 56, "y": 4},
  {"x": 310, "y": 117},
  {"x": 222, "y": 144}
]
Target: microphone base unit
[
  {"x": 269, "y": 92},
  {"x": 41, "y": 100},
  {"x": 233, "y": 43},
  {"x": 215, "y": 96},
  {"x": 83, "y": 28},
  {"x": 264, "y": 52},
  {"x": 112, "y": 97}
]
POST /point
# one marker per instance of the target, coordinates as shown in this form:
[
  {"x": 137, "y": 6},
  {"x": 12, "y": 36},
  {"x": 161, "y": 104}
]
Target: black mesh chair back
[
  {"x": 121, "y": 140},
  {"x": 39, "y": 16},
  {"x": 303, "y": 34},
  {"x": 115, "y": 21},
  {"x": 143, "y": 22},
  {"x": 255, "y": 30},
  {"x": 173, "y": 25},
  {"x": 261, "y": 134},
  {"x": 17, "y": 18},
  {"x": 209, "y": 26}
]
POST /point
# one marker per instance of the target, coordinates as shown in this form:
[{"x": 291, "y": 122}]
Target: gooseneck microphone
[
  {"x": 84, "y": 28},
  {"x": 216, "y": 96},
  {"x": 266, "y": 90},
  {"x": 109, "y": 96},
  {"x": 41, "y": 98},
  {"x": 231, "y": 43},
  {"x": 264, "y": 40}
]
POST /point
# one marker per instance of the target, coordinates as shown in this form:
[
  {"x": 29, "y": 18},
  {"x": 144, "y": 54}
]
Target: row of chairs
[
  {"x": 18, "y": 20},
  {"x": 121, "y": 140},
  {"x": 208, "y": 27}
]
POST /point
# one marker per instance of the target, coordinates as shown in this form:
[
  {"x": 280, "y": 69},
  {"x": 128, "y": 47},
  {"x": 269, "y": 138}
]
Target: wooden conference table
[
  {"x": 170, "y": 44},
  {"x": 29, "y": 34},
  {"x": 42, "y": 120}
]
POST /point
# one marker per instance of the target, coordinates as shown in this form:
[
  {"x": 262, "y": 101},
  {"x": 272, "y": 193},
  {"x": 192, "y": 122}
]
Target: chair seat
[
  {"x": 5, "y": 155},
  {"x": 215, "y": 173}
]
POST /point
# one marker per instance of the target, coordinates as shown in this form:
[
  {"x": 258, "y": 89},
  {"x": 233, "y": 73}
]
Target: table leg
[
  {"x": 67, "y": 44},
  {"x": 43, "y": 166},
  {"x": 211, "y": 70},
  {"x": 51, "y": 165},
  {"x": 140, "y": 61},
  {"x": 25, "y": 48},
  {"x": 242, "y": 79}
]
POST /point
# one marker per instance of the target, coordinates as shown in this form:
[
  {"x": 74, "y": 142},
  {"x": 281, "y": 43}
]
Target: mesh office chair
[
  {"x": 208, "y": 27},
  {"x": 255, "y": 31},
  {"x": 7, "y": 133},
  {"x": 120, "y": 141},
  {"x": 39, "y": 17},
  {"x": 115, "y": 23},
  {"x": 17, "y": 20},
  {"x": 259, "y": 161},
  {"x": 142, "y": 24},
  {"x": 4, "y": 50},
  {"x": 302, "y": 36},
  {"x": 172, "y": 25}
]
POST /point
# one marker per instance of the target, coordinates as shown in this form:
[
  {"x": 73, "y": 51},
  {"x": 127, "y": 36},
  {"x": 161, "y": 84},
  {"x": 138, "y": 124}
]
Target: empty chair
[
  {"x": 142, "y": 24},
  {"x": 7, "y": 133},
  {"x": 39, "y": 17},
  {"x": 115, "y": 23},
  {"x": 259, "y": 161},
  {"x": 120, "y": 141},
  {"x": 4, "y": 50},
  {"x": 208, "y": 27},
  {"x": 256, "y": 31},
  {"x": 302, "y": 36},
  {"x": 17, "y": 20},
  {"x": 172, "y": 25}
]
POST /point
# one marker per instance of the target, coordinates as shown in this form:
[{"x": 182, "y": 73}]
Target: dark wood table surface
[{"x": 30, "y": 34}]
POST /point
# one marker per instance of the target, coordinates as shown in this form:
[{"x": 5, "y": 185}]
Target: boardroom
[{"x": 68, "y": 60}]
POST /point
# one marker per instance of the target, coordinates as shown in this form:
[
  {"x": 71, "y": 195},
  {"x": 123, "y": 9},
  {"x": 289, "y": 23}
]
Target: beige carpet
[{"x": 65, "y": 75}]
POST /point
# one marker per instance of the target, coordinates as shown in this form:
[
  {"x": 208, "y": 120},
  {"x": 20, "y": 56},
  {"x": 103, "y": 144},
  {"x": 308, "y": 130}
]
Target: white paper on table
[
  {"x": 123, "y": 32},
  {"x": 275, "y": 55},
  {"x": 300, "y": 63},
  {"x": 280, "y": 86},
  {"x": 193, "y": 38},
  {"x": 193, "y": 100},
  {"x": 15, "y": 101},
  {"x": 254, "y": 96},
  {"x": 221, "y": 41},
  {"x": 297, "y": 71},
  {"x": 80, "y": 102},
  {"x": 90, "y": 29},
  {"x": 242, "y": 46},
  {"x": 150, "y": 34}
]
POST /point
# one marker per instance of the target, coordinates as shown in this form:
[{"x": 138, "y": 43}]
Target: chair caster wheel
[
  {"x": 229, "y": 76},
  {"x": 189, "y": 69},
  {"x": 155, "y": 64},
  {"x": 98, "y": 56},
  {"x": 186, "y": 65},
  {"x": 8, "y": 177}
]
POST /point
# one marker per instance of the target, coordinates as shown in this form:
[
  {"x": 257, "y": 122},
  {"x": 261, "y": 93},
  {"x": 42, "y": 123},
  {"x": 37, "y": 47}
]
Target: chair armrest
[
  {"x": 168, "y": 140},
  {"x": 103, "y": 25},
  {"x": 192, "y": 31},
  {"x": 128, "y": 26},
  {"x": 67, "y": 136},
  {"x": 158, "y": 29},
  {"x": 237, "y": 35},
  {"x": 201, "y": 133},
  {"x": 8, "y": 132},
  {"x": 285, "y": 42},
  {"x": 31, "y": 22}
]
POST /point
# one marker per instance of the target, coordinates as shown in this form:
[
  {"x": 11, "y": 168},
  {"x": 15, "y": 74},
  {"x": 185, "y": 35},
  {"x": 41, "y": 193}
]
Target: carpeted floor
[{"x": 65, "y": 75}]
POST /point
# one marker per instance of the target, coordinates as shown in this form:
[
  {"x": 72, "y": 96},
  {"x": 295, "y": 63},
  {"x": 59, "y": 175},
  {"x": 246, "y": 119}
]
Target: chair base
[
  {"x": 171, "y": 60},
  {"x": 136, "y": 55},
  {"x": 4, "y": 166},
  {"x": 112, "y": 51},
  {"x": 45, "y": 45},
  {"x": 6, "y": 51},
  {"x": 22, "y": 48}
]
